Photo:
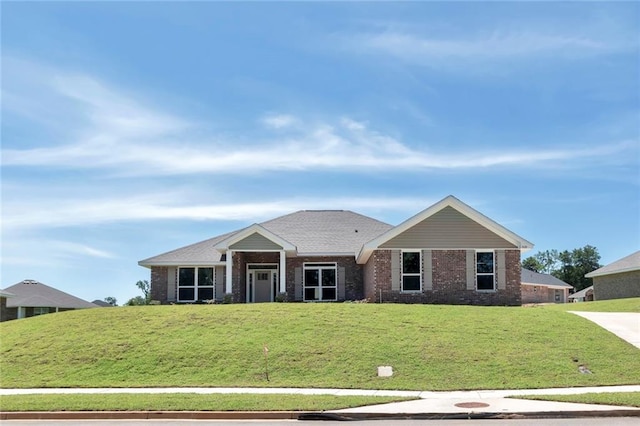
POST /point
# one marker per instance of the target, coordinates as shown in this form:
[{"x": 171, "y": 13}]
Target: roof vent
[{"x": 29, "y": 282}]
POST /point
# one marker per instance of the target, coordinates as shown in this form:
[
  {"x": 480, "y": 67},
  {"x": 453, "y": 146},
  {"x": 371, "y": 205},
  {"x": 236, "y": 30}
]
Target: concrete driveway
[{"x": 625, "y": 325}]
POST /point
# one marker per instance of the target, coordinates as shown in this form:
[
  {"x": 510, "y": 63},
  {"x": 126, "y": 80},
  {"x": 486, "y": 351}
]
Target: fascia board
[
  {"x": 175, "y": 263},
  {"x": 619, "y": 271}
]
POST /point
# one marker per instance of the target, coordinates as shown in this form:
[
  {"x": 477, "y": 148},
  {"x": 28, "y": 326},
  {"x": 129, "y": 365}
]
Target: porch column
[
  {"x": 283, "y": 272},
  {"x": 229, "y": 265}
]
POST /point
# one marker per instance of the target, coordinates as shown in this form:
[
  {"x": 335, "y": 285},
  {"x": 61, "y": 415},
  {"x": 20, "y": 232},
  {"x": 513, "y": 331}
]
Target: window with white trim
[
  {"x": 485, "y": 271},
  {"x": 195, "y": 284},
  {"x": 411, "y": 276},
  {"x": 320, "y": 282},
  {"x": 40, "y": 311}
]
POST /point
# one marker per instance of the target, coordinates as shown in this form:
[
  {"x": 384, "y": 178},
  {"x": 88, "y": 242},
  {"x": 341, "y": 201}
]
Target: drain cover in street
[{"x": 471, "y": 405}]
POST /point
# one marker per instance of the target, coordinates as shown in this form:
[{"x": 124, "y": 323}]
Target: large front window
[
  {"x": 320, "y": 282},
  {"x": 485, "y": 271},
  {"x": 411, "y": 271},
  {"x": 195, "y": 284}
]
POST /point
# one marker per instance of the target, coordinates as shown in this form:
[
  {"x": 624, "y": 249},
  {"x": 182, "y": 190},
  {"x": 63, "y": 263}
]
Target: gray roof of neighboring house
[
  {"x": 528, "y": 277},
  {"x": 102, "y": 304},
  {"x": 581, "y": 294},
  {"x": 33, "y": 294},
  {"x": 5, "y": 293},
  {"x": 626, "y": 264},
  {"x": 313, "y": 232}
]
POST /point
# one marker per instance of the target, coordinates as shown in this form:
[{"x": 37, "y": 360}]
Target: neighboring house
[
  {"x": 617, "y": 280},
  {"x": 448, "y": 253},
  {"x": 3, "y": 304},
  {"x": 31, "y": 298},
  {"x": 543, "y": 288},
  {"x": 584, "y": 295},
  {"x": 102, "y": 303}
]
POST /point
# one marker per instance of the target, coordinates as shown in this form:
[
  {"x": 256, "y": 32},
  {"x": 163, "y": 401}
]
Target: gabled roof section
[
  {"x": 254, "y": 236},
  {"x": 528, "y": 277},
  {"x": 582, "y": 293},
  {"x": 34, "y": 294},
  {"x": 446, "y": 207},
  {"x": 626, "y": 264}
]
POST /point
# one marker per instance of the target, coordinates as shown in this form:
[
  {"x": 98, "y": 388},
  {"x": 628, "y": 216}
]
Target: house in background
[
  {"x": 448, "y": 253},
  {"x": 543, "y": 288},
  {"x": 584, "y": 295},
  {"x": 617, "y": 280},
  {"x": 30, "y": 298},
  {"x": 3, "y": 304}
]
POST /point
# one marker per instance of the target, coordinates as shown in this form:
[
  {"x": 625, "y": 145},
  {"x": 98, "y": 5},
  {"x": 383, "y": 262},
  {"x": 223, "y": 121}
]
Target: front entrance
[{"x": 262, "y": 281}]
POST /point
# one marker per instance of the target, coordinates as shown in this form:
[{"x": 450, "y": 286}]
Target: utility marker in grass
[{"x": 266, "y": 361}]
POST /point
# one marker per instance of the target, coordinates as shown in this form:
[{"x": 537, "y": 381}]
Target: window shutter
[
  {"x": 342, "y": 284},
  {"x": 298, "y": 283},
  {"x": 471, "y": 270},
  {"x": 502, "y": 270},
  {"x": 171, "y": 284},
  {"x": 219, "y": 280},
  {"x": 395, "y": 270},
  {"x": 427, "y": 270}
]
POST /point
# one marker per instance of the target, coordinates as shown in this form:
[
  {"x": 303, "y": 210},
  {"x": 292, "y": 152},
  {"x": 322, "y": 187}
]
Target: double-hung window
[
  {"x": 320, "y": 282},
  {"x": 485, "y": 271},
  {"x": 195, "y": 284},
  {"x": 411, "y": 280}
]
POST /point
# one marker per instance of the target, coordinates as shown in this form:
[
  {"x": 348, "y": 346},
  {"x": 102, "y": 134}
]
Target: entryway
[{"x": 262, "y": 281}]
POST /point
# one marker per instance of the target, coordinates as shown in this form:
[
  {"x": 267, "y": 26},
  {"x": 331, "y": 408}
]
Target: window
[
  {"x": 485, "y": 271},
  {"x": 320, "y": 282},
  {"x": 195, "y": 284},
  {"x": 411, "y": 261},
  {"x": 40, "y": 311}
]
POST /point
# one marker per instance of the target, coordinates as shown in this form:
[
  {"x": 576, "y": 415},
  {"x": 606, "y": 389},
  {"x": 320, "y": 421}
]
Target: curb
[{"x": 299, "y": 415}]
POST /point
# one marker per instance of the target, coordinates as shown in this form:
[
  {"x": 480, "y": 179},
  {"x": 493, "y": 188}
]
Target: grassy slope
[
  {"x": 313, "y": 345},
  {"x": 631, "y": 304}
]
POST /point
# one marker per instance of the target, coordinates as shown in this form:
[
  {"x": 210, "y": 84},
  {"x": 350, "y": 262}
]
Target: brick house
[
  {"x": 617, "y": 280},
  {"x": 543, "y": 288},
  {"x": 448, "y": 253}
]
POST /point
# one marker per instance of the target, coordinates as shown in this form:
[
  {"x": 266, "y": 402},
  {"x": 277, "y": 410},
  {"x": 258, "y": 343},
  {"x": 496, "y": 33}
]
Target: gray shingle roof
[
  {"x": 31, "y": 293},
  {"x": 626, "y": 264},
  {"x": 313, "y": 232},
  {"x": 528, "y": 277}
]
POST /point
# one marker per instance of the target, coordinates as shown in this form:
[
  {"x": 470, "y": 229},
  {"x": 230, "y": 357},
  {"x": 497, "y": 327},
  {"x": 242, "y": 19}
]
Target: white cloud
[{"x": 279, "y": 121}]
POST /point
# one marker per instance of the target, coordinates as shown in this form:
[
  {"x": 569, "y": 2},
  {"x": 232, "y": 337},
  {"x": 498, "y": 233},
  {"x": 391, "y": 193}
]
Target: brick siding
[
  {"x": 159, "y": 283},
  {"x": 617, "y": 286}
]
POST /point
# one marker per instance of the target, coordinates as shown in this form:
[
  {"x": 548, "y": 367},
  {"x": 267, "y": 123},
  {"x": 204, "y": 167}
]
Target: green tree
[
  {"x": 569, "y": 266},
  {"x": 111, "y": 300},
  {"x": 136, "y": 301},
  {"x": 532, "y": 264},
  {"x": 145, "y": 287}
]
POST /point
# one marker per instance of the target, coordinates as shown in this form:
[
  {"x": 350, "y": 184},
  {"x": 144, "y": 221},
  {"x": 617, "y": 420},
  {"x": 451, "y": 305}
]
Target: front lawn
[
  {"x": 629, "y": 399},
  {"x": 631, "y": 304},
  {"x": 313, "y": 345}
]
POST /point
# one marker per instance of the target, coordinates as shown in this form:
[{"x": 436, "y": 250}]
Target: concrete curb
[{"x": 298, "y": 415}]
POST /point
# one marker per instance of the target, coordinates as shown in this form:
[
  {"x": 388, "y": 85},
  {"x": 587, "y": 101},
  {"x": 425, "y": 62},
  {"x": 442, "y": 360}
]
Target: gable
[
  {"x": 255, "y": 241},
  {"x": 447, "y": 229}
]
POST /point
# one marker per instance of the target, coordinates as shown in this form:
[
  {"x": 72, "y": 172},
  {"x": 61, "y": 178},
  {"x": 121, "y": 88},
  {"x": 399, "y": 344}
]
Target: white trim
[
  {"x": 251, "y": 280},
  {"x": 283, "y": 272},
  {"x": 493, "y": 274},
  {"x": 229, "y": 272},
  {"x": 324, "y": 266},
  {"x": 595, "y": 273},
  {"x": 413, "y": 274},
  {"x": 196, "y": 288},
  {"x": 179, "y": 264},
  {"x": 450, "y": 201}
]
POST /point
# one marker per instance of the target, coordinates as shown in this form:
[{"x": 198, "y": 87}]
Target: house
[
  {"x": 543, "y": 288},
  {"x": 3, "y": 304},
  {"x": 584, "y": 295},
  {"x": 448, "y": 253},
  {"x": 617, "y": 280},
  {"x": 30, "y": 298},
  {"x": 102, "y": 303}
]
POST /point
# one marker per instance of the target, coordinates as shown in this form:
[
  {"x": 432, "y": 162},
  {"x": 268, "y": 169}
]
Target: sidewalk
[{"x": 476, "y": 404}]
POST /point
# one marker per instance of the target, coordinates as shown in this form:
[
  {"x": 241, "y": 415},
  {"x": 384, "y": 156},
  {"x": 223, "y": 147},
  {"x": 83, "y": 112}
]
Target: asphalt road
[{"x": 592, "y": 421}]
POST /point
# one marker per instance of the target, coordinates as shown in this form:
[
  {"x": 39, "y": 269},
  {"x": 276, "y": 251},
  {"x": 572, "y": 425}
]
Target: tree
[
  {"x": 111, "y": 300},
  {"x": 569, "y": 266},
  {"x": 136, "y": 301},
  {"x": 144, "y": 286}
]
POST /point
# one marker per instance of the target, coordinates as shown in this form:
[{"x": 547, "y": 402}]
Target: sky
[{"x": 133, "y": 128}]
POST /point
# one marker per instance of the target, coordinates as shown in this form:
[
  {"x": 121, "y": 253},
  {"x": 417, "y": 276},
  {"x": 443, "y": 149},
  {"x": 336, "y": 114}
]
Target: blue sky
[{"x": 130, "y": 129}]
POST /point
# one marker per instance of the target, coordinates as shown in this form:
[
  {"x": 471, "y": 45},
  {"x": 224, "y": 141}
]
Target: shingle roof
[
  {"x": 626, "y": 264},
  {"x": 580, "y": 294},
  {"x": 313, "y": 232},
  {"x": 31, "y": 293},
  {"x": 528, "y": 277}
]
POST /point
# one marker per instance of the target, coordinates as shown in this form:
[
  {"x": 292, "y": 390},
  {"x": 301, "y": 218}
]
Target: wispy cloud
[{"x": 118, "y": 133}]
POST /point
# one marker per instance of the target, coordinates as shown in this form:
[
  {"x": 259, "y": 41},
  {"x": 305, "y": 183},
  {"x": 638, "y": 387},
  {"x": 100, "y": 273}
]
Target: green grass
[
  {"x": 629, "y": 399},
  {"x": 631, "y": 304},
  {"x": 313, "y": 345},
  {"x": 187, "y": 402}
]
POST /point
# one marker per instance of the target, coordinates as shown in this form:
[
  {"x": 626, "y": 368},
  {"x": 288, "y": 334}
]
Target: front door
[{"x": 262, "y": 286}]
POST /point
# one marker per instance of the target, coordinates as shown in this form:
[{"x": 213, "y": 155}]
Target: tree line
[{"x": 568, "y": 266}]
